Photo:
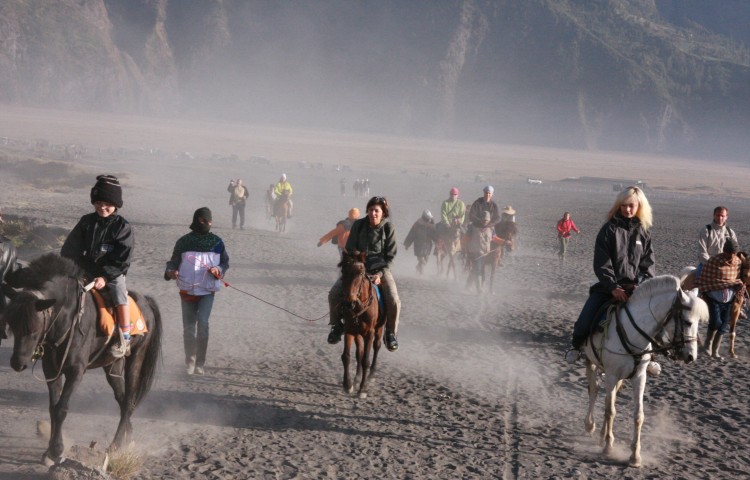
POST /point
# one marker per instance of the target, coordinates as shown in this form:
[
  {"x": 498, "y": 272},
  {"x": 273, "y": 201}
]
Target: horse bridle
[
  {"x": 366, "y": 306},
  {"x": 657, "y": 341}
]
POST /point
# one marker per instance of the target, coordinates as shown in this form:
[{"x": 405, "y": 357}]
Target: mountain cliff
[{"x": 645, "y": 75}]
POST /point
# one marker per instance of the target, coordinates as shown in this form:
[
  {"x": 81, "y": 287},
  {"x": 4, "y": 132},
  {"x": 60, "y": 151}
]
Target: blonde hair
[{"x": 644, "y": 212}]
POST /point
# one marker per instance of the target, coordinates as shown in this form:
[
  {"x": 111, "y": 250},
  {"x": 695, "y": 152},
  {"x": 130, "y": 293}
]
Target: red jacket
[{"x": 564, "y": 227}]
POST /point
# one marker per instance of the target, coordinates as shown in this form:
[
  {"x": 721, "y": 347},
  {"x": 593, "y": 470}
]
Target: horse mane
[
  {"x": 656, "y": 285},
  {"x": 43, "y": 269}
]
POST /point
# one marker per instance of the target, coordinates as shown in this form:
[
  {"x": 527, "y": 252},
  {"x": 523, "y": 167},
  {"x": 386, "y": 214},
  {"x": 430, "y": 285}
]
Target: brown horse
[
  {"x": 281, "y": 212},
  {"x": 448, "y": 245},
  {"x": 363, "y": 321}
]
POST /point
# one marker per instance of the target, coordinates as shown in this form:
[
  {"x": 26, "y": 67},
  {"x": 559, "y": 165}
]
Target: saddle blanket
[{"x": 107, "y": 318}]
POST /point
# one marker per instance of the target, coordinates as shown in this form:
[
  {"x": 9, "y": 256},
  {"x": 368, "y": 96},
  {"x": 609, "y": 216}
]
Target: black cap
[
  {"x": 731, "y": 246},
  {"x": 107, "y": 189}
]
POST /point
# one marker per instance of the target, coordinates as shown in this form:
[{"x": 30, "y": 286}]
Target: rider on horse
[
  {"x": 422, "y": 235},
  {"x": 284, "y": 188},
  {"x": 623, "y": 259},
  {"x": 485, "y": 204},
  {"x": 101, "y": 245},
  {"x": 375, "y": 236},
  {"x": 452, "y": 211}
]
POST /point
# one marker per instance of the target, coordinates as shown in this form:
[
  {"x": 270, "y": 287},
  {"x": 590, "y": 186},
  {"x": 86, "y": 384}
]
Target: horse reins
[{"x": 675, "y": 312}]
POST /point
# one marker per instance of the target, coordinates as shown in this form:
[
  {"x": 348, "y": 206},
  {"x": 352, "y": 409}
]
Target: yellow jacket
[{"x": 282, "y": 187}]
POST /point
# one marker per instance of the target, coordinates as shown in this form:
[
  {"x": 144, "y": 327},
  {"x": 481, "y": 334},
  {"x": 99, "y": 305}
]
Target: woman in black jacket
[
  {"x": 623, "y": 259},
  {"x": 376, "y": 237}
]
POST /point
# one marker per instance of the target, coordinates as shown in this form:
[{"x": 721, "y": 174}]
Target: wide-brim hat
[{"x": 509, "y": 210}]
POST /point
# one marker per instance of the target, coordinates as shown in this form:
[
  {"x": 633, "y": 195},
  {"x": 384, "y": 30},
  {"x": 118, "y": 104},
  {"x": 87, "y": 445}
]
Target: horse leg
[
  {"x": 345, "y": 358},
  {"x": 639, "y": 386},
  {"x": 59, "y": 398},
  {"x": 608, "y": 436},
  {"x": 589, "y": 422},
  {"x": 117, "y": 383},
  {"x": 365, "y": 362},
  {"x": 360, "y": 351},
  {"x": 125, "y": 389}
]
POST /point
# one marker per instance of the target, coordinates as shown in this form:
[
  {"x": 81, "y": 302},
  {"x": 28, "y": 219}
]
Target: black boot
[
  {"x": 334, "y": 336},
  {"x": 390, "y": 341}
]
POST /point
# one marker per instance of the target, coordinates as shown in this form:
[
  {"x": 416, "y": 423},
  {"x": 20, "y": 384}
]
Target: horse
[
  {"x": 52, "y": 317},
  {"x": 281, "y": 212},
  {"x": 448, "y": 245},
  {"x": 658, "y": 318},
  {"x": 363, "y": 320},
  {"x": 504, "y": 240}
]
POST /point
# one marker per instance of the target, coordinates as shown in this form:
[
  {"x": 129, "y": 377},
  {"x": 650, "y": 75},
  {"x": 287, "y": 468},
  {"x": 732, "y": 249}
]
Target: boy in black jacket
[{"x": 101, "y": 245}]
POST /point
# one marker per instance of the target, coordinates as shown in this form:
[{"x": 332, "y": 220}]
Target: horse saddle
[
  {"x": 603, "y": 317},
  {"x": 106, "y": 316}
]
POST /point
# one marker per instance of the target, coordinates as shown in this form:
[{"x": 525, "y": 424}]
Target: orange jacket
[{"x": 339, "y": 232}]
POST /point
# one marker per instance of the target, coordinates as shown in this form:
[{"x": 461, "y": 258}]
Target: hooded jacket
[
  {"x": 622, "y": 254},
  {"x": 100, "y": 246},
  {"x": 379, "y": 243},
  {"x": 422, "y": 234}
]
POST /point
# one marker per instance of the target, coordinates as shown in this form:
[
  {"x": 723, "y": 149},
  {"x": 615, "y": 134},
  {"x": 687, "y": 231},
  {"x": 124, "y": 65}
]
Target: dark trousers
[
  {"x": 718, "y": 315},
  {"x": 586, "y": 319},
  {"x": 238, "y": 209}
]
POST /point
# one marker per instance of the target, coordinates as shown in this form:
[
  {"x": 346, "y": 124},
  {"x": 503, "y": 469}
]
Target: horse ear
[{"x": 42, "y": 305}]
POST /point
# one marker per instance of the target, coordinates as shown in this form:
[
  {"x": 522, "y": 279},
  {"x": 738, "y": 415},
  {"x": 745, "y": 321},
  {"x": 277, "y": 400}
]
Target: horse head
[
  {"x": 28, "y": 316},
  {"x": 694, "y": 312},
  {"x": 353, "y": 277}
]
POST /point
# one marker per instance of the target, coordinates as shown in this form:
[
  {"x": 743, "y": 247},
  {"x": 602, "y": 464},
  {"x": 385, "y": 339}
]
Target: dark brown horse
[
  {"x": 53, "y": 318},
  {"x": 281, "y": 212},
  {"x": 363, "y": 321}
]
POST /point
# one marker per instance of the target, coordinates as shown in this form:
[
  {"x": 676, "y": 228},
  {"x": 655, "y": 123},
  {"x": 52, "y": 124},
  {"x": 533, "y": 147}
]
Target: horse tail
[{"x": 153, "y": 353}]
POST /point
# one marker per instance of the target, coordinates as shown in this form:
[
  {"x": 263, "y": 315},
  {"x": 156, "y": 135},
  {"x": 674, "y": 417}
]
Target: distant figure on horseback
[
  {"x": 375, "y": 236},
  {"x": 452, "y": 211},
  {"x": 101, "y": 245},
  {"x": 283, "y": 189},
  {"x": 484, "y": 204},
  {"x": 422, "y": 236},
  {"x": 623, "y": 259},
  {"x": 339, "y": 235},
  {"x": 507, "y": 229},
  {"x": 564, "y": 226}
]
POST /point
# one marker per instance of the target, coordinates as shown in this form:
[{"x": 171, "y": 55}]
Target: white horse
[{"x": 659, "y": 317}]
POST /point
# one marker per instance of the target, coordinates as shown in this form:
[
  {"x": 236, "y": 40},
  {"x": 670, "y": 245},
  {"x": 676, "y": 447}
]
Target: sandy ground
[{"x": 478, "y": 388}]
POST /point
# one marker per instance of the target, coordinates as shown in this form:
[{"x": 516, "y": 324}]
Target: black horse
[{"x": 53, "y": 318}]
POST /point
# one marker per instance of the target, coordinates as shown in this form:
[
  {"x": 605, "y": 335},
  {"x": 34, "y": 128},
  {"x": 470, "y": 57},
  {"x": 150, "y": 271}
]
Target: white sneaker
[
  {"x": 191, "y": 368},
  {"x": 572, "y": 356},
  {"x": 198, "y": 371}
]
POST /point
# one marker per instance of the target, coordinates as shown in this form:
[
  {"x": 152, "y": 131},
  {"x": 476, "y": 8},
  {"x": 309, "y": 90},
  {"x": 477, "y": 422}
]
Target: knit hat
[
  {"x": 354, "y": 213},
  {"x": 427, "y": 215},
  {"x": 486, "y": 216},
  {"x": 488, "y": 189},
  {"x": 205, "y": 214},
  {"x": 731, "y": 246},
  {"x": 107, "y": 189},
  {"x": 454, "y": 191}
]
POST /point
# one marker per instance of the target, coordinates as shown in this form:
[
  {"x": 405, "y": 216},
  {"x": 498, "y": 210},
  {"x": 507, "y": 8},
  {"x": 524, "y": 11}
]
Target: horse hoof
[
  {"x": 47, "y": 461},
  {"x": 349, "y": 390},
  {"x": 362, "y": 394},
  {"x": 635, "y": 463}
]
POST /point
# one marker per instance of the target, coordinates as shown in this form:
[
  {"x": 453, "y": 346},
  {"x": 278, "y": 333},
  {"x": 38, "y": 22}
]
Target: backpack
[{"x": 731, "y": 232}]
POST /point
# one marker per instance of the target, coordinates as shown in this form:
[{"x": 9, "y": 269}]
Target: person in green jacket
[
  {"x": 374, "y": 235},
  {"x": 453, "y": 210}
]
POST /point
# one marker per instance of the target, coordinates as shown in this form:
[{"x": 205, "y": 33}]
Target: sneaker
[
  {"x": 334, "y": 336},
  {"x": 120, "y": 349},
  {"x": 390, "y": 341},
  {"x": 572, "y": 356},
  {"x": 198, "y": 371},
  {"x": 190, "y": 369}
]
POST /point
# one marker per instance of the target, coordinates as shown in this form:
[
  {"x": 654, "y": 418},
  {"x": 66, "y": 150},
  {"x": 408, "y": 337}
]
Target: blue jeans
[
  {"x": 195, "y": 329},
  {"x": 586, "y": 319},
  {"x": 238, "y": 210},
  {"x": 718, "y": 315}
]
